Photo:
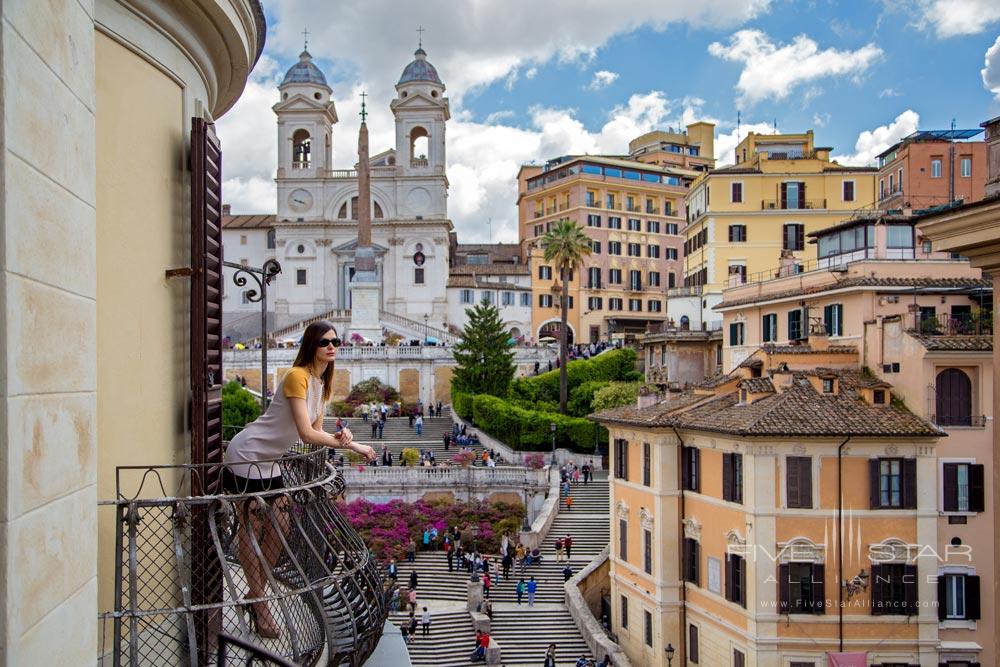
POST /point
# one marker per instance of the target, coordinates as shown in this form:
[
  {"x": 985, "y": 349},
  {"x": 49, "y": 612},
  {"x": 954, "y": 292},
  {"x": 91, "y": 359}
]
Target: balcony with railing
[
  {"x": 417, "y": 162},
  {"x": 979, "y": 323},
  {"x": 792, "y": 204}
]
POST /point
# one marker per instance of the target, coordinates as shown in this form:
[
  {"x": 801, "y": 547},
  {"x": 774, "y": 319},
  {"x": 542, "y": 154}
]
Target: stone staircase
[
  {"x": 525, "y": 632},
  {"x": 450, "y": 641},
  {"x": 398, "y": 435}
]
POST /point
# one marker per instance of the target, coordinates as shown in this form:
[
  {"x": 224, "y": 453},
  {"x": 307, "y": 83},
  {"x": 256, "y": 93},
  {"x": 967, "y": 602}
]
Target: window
[
  {"x": 623, "y": 539},
  {"x": 418, "y": 276},
  {"x": 736, "y": 191},
  {"x": 828, "y": 385},
  {"x": 833, "y": 319},
  {"x": 300, "y": 276},
  {"x": 894, "y": 589},
  {"x": 615, "y": 276},
  {"x": 800, "y": 588},
  {"x": 544, "y": 272},
  {"x": 609, "y": 200},
  {"x": 488, "y": 297},
  {"x": 593, "y": 220},
  {"x": 893, "y": 483},
  {"x": 795, "y": 324},
  {"x": 732, "y": 477},
  {"x": 591, "y": 195},
  {"x": 936, "y": 167},
  {"x": 648, "y": 627},
  {"x": 526, "y": 299},
  {"x": 614, "y": 304},
  {"x": 635, "y": 280},
  {"x": 953, "y": 398},
  {"x": 634, "y": 250},
  {"x": 965, "y": 167},
  {"x": 647, "y": 464},
  {"x": 736, "y": 333},
  {"x": 654, "y": 279},
  {"x": 595, "y": 303},
  {"x": 653, "y": 251},
  {"x": 466, "y": 296},
  {"x": 647, "y": 551},
  {"x": 798, "y": 481},
  {"x": 692, "y": 646},
  {"x": 621, "y": 459},
  {"x": 691, "y": 469},
  {"x": 507, "y": 298},
  {"x": 614, "y": 223},
  {"x": 671, "y": 253},
  {"x": 614, "y": 247},
  {"x": 690, "y": 556},
  {"x": 737, "y": 233},
  {"x": 793, "y": 236},
  {"x": 793, "y": 195},
  {"x": 963, "y": 487},
  {"x": 634, "y": 225},
  {"x": 654, "y": 306},
  {"x": 769, "y": 327},
  {"x": 635, "y": 305},
  {"x": 899, "y": 236},
  {"x": 739, "y": 660},
  {"x": 243, "y": 239},
  {"x": 671, "y": 228},
  {"x": 544, "y": 300},
  {"x": 653, "y": 226},
  {"x": 594, "y": 277},
  {"x": 958, "y": 597},
  {"x": 624, "y": 605},
  {"x": 736, "y": 579},
  {"x": 271, "y": 239},
  {"x": 671, "y": 280},
  {"x": 848, "y": 191},
  {"x": 878, "y": 396}
]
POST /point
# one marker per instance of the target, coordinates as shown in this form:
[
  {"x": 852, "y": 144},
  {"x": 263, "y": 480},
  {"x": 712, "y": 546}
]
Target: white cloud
[
  {"x": 726, "y": 143},
  {"x": 991, "y": 72},
  {"x": 497, "y": 116},
  {"x": 773, "y": 70},
  {"x": 602, "y": 79},
  {"x": 530, "y": 74},
  {"x": 872, "y": 142},
  {"x": 948, "y": 18},
  {"x": 889, "y": 92},
  {"x": 821, "y": 119}
]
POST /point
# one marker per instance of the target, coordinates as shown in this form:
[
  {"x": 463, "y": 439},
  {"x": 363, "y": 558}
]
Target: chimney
[
  {"x": 225, "y": 209},
  {"x": 647, "y": 397},
  {"x": 819, "y": 339},
  {"x": 781, "y": 376}
]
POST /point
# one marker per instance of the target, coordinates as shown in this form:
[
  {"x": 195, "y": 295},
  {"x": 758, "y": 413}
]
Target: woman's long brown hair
[{"x": 307, "y": 353}]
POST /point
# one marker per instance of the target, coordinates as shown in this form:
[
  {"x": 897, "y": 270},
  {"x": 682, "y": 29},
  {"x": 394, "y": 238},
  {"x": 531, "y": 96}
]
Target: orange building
[
  {"x": 930, "y": 168},
  {"x": 773, "y": 516}
]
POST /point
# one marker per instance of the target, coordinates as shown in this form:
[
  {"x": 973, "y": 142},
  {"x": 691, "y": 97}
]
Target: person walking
[
  {"x": 520, "y": 589},
  {"x": 413, "y": 624},
  {"x": 420, "y": 425},
  {"x": 508, "y": 561},
  {"x": 393, "y": 570},
  {"x": 550, "y": 656},
  {"x": 425, "y": 621},
  {"x": 413, "y": 579},
  {"x": 487, "y": 582},
  {"x": 381, "y": 426},
  {"x": 374, "y": 426},
  {"x": 411, "y": 597},
  {"x": 411, "y": 551},
  {"x": 532, "y": 589},
  {"x": 559, "y": 549},
  {"x": 567, "y": 573},
  {"x": 568, "y": 545},
  {"x": 569, "y": 502},
  {"x": 488, "y": 608}
]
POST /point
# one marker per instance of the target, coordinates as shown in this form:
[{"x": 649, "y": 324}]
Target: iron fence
[{"x": 317, "y": 579}]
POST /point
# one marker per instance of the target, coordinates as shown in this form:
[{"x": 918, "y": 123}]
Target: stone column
[{"x": 48, "y": 405}]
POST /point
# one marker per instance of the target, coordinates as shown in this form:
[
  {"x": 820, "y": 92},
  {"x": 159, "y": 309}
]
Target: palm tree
[{"x": 566, "y": 244}]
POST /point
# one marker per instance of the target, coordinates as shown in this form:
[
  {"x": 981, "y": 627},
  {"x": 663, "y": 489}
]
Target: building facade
[
  {"x": 496, "y": 274},
  {"x": 749, "y": 221},
  {"x": 632, "y": 208},
  {"x": 931, "y": 168}
]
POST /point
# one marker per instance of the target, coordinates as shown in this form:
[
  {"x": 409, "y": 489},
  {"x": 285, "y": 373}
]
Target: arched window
[
  {"x": 342, "y": 213},
  {"x": 418, "y": 147},
  {"x": 271, "y": 238},
  {"x": 301, "y": 149},
  {"x": 953, "y": 392}
]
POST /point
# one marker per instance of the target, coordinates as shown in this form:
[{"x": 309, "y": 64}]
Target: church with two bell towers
[{"x": 314, "y": 233}]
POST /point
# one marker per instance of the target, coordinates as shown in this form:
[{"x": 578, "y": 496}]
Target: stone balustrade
[{"x": 412, "y": 483}]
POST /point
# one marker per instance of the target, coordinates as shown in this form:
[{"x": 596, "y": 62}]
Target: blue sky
[{"x": 528, "y": 81}]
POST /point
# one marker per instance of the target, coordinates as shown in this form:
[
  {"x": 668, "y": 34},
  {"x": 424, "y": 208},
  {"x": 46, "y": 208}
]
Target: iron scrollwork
[{"x": 263, "y": 277}]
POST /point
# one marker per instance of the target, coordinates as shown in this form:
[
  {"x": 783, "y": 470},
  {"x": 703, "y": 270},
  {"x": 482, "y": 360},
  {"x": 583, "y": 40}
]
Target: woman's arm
[{"x": 314, "y": 434}]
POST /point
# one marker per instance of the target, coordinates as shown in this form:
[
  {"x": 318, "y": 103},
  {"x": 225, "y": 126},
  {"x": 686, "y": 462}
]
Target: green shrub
[
  {"x": 341, "y": 409},
  {"x": 612, "y": 366},
  {"x": 461, "y": 403},
  {"x": 616, "y": 394},
  {"x": 239, "y": 407},
  {"x": 410, "y": 456},
  {"x": 582, "y": 396},
  {"x": 530, "y": 430}
]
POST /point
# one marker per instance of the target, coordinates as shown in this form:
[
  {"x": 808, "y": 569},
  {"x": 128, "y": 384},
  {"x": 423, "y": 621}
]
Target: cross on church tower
[
  {"x": 305, "y": 39},
  {"x": 363, "y": 113},
  {"x": 420, "y": 38}
]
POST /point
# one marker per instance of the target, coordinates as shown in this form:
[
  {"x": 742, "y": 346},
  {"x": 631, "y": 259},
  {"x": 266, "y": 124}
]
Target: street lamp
[
  {"x": 552, "y": 427},
  {"x": 670, "y": 653},
  {"x": 475, "y": 534},
  {"x": 525, "y": 526},
  {"x": 425, "y": 328}
]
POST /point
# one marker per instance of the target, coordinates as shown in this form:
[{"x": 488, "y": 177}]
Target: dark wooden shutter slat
[
  {"x": 792, "y": 482},
  {"x": 977, "y": 490},
  {"x": 805, "y": 484},
  {"x": 972, "y": 598},
  {"x": 910, "y": 589},
  {"x": 727, "y": 476},
  {"x": 942, "y": 593},
  {"x": 697, "y": 469},
  {"x": 909, "y": 469},
  {"x": 873, "y": 478},
  {"x": 877, "y": 589},
  {"x": 950, "y": 483},
  {"x": 818, "y": 588},
  {"x": 784, "y": 198},
  {"x": 784, "y": 589}
]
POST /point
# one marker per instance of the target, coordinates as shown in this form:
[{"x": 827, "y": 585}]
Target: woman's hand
[{"x": 364, "y": 450}]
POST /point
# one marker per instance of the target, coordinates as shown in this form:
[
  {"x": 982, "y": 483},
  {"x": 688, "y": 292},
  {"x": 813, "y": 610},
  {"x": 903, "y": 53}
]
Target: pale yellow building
[{"x": 751, "y": 220}]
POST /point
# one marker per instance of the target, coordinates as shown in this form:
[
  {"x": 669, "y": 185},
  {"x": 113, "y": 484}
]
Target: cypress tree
[{"x": 485, "y": 360}]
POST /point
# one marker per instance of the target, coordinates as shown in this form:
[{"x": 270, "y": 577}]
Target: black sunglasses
[{"x": 323, "y": 342}]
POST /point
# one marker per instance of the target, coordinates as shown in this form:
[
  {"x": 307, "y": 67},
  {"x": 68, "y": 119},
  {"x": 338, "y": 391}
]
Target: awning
[{"x": 853, "y": 659}]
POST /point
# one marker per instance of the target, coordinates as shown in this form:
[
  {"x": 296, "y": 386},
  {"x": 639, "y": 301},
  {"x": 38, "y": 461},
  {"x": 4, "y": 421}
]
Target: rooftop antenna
[
  {"x": 738, "y": 119},
  {"x": 305, "y": 39},
  {"x": 420, "y": 37},
  {"x": 364, "y": 112}
]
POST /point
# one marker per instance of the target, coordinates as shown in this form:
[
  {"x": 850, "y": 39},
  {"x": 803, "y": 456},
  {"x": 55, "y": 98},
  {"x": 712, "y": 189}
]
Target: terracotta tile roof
[
  {"x": 467, "y": 281},
  {"x": 863, "y": 281},
  {"x": 495, "y": 269},
  {"x": 253, "y": 221},
  {"x": 757, "y": 385},
  {"x": 715, "y": 381},
  {"x": 795, "y": 410},
  {"x": 957, "y": 343},
  {"x": 772, "y": 348}
]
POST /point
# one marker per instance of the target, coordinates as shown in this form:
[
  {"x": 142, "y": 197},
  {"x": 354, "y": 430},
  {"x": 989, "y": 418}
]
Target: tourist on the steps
[
  {"x": 411, "y": 418},
  {"x": 413, "y": 623},
  {"x": 584, "y": 661},
  {"x": 420, "y": 425},
  {"x": 586, "y": 473},
  {"x": 427, "y": 539},
  {"x": 374, "y": 426},
  {"x": 296, "y": 413},
  {"x": 606, "y": 662},
  {"x": 447, "y": 440},
  {"x": 487, "y": 608},
  {"x": 411, "y": 597},
  {"x": 559, "y": 549},
  {"x": 381, "y": 425},
  {"x": 411, "y": 550},
  {"x": 394, "y": 600},
  {"x": 393, "y": 570},
  {"x": 425, "y": 621},
  {"x": 413, "y": 580},
  {"x": 364, "y": 412},
  {"x": 508, "y": 561},
  {"x": 482, "y": 642},
  {"x": 532, "y": 589},
  {"x": 568, "y": 544},
  {"x": 569, "y": 503},
  {"x": 567, "y": 573},
  {"x": 519, "y": 589},
  {"x": 486, "y": 584},
  {"x": 449, "y": 553},
  {"x": 550, "y": 656}
]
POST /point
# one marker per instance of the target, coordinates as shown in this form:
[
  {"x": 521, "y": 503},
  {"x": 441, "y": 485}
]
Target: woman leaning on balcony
[{"x": 296, "y": 413}]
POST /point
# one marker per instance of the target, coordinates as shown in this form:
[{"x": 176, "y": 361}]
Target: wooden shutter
[
  {"x": 696, "y": 465},
  {"x": 693, "y": 643},
  {"x": 909, "y": 470},
  {"x": 729, "y": 578},
  {"x": 798, "y": 471},
  {"x": 910, "y": 589},
  {"x": 784, "y": 589},
  {"x": 878, "y": 588},
  {"x": 800, "y": 236},
  {"x": 206, "y": 369},
  {"x": 784, "y": 195},
  {"x": 949, "y": 474},
  {"x": 802, "y": 199},
  {"x": 875, "y": 499},
  {"x": 742, "y": 578},
  {"x": 977, "y": 493},
  {"x": 727, "y": 476},
  {"x": 942, "y": 593},
  {"x": 792, "y": 483},
  {"x": 819, "y": 588},
  {"x": 972, "y": 598}
]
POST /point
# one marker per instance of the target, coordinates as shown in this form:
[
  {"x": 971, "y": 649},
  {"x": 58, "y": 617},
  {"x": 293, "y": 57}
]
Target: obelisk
[{"x": 365, "y": 297}]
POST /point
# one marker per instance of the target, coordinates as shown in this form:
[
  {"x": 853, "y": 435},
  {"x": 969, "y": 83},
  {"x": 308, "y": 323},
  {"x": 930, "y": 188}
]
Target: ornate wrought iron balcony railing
[{"x": 182, "y": 563}]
